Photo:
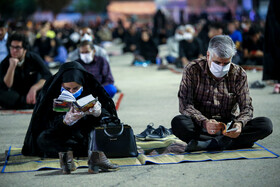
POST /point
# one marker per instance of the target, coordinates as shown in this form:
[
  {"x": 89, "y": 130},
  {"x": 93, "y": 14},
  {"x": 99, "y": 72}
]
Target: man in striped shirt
[{"x": 213, "y": 91}]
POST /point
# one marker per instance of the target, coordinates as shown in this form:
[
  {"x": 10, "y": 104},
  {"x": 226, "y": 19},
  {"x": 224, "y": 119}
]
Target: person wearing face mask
[
  {"x": 23, "y": 74},
  {"x": 173, "y": 44},
  {"x": 86, "y": 34},
  {"x": 213, "y": 91},
  {"x": 97, "y": 66},
  {"x": 66, "y": 134},
  {"x": 190, "y": 47}
]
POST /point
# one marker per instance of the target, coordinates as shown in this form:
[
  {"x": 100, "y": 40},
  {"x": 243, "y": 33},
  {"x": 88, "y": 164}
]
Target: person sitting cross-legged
[
  {"x": 212, "y": 90},
  {"x": 22, "y": 75},
  {"x": 97, "y": 66},
  {"x": 65, "y": 134}
]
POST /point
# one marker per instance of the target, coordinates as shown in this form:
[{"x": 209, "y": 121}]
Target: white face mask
[
  {"x": 86, "y": 37},
  {"x": 218, "y": 70},
  {"x": 188, "y": 36},
  {"x": 178, "y": 37},
  {"x": 87, "y": 57}
]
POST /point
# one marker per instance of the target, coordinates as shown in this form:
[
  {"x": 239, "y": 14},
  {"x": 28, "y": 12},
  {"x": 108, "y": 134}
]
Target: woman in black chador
[
  {"x": 146, "y": 49},
  {"x": 53, "y": 134}
]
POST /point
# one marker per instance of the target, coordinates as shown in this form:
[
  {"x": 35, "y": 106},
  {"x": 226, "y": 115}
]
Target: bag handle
[
  {"x": 106, "y": 120},
  {"x": 114, "y": 135}
]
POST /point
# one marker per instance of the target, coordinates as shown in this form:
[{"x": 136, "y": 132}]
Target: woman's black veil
[{"x": 51, "y": 89}]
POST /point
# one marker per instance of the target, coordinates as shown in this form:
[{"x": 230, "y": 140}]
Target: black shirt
[
  {"x": 250, "y": 45},
  {"x": 32, "y": 70},
  {"x": 190, "y": 50}
]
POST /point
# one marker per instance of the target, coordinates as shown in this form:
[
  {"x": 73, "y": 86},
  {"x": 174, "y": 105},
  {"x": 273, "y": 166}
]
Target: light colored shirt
[
  {"x": 173, "y": 47},
  {"x": 3, "y": 48}
]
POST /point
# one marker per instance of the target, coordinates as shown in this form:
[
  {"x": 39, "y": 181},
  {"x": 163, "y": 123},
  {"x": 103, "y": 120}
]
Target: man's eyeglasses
[{"x": 16, "y": 47}]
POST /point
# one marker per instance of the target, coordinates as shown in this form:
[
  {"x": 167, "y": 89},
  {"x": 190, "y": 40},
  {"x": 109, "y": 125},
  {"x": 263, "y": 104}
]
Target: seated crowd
[{"x": 213, "y": 91}]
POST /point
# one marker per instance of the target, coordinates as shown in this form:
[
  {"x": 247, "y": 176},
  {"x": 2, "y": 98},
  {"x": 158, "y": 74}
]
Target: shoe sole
[
  {"x": 95, "y": 170},
  {"x": 141, "y": 139},
  {"x": 160, "y": 139}
]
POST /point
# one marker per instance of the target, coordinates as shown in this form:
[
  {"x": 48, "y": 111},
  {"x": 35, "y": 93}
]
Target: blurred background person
[
  {"x": 57, "y": 55},
  {"x": 159, "y": 27},
  {"x": 190, "y": 47},
  {"x": 3, "y": 40},
  {"x": 234, "y": 33},
  {"x": 119, "y": 31},
  {"x": 86, "y": 34},
  {"x": 42, "y": 45},
  {"x": 237, "y": 38},
  {"x": 173, "y": 45},
  {"x": 23, "y": 74},
  {"x": 209, "y": 31},
  {"x": 272, "y": 45},
  {"x": 105, "y": 33},
  {"x": 253, "y": 47},
  {"x": 131, "y": 38},
  {"x": 147, "y": 49},
  {"x": 97, "y": 66}
]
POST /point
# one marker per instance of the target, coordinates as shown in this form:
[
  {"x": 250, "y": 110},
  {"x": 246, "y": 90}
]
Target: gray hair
[{"x": 222, "y": 46}]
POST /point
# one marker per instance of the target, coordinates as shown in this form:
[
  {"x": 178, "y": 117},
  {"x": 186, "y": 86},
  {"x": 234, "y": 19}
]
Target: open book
[{"x": 65, "y": 100}]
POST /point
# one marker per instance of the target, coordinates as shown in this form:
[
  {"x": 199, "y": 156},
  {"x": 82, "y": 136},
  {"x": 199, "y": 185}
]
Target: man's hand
[
  {"x": 13, "y": 62},
  {"x": 132, "y": 47},
  {"x": 185, "y": 61},
  {"x": 234, "y": 134},
  {"x": 9, "y": 77},
  {"x": 31, "y": 96},
  {"x": 212, "y": 126},
  {"x": 48, "y": 59}
]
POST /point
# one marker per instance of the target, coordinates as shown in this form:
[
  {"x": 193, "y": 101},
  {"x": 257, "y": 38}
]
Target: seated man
[
  {"x": 86, "y": 34},
  {"x": 173, "y": 44},
  {"x": 97, "y": 66},
  {"x": 211, "y": 90},
  {"x": 131, "y": 38},
  {"x": 253, "y": 47},
  {"x": 23, "y": 74},
  {"x": 190, "y": 47}
]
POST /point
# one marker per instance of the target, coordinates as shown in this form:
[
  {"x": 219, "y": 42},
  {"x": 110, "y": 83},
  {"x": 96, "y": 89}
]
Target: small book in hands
[
  {"x": 64, "y": 102},
  {"x": 228, "y": 127}
]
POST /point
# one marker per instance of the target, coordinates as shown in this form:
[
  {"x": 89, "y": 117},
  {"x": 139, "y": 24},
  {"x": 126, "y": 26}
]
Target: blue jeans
[
  {"x": 170, "y": 59},
  {"x": 111, "y": 90}
]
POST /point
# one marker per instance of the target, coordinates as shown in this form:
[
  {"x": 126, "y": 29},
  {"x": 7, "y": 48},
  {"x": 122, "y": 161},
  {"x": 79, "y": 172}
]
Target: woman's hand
[
  {"x": 95, "y": 111},
  {"x": 72, "y": 116}
]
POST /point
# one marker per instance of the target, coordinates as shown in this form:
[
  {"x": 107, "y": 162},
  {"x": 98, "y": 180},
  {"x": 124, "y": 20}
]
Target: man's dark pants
[{"x": 186, "y": 129}]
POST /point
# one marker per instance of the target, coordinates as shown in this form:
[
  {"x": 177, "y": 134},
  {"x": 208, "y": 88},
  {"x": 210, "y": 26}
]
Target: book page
[
  {"x": 85, "y": 100},
  {"x": 66, "y": 96}
]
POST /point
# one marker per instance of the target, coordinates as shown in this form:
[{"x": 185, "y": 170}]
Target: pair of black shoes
[{"x": 150, "y": 133}]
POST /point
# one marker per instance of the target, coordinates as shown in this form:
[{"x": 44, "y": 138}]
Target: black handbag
[{"x": 115, "y": 139}]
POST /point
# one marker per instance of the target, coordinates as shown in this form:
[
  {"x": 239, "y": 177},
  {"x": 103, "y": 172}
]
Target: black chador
[{"x": 59, "y": 137}]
